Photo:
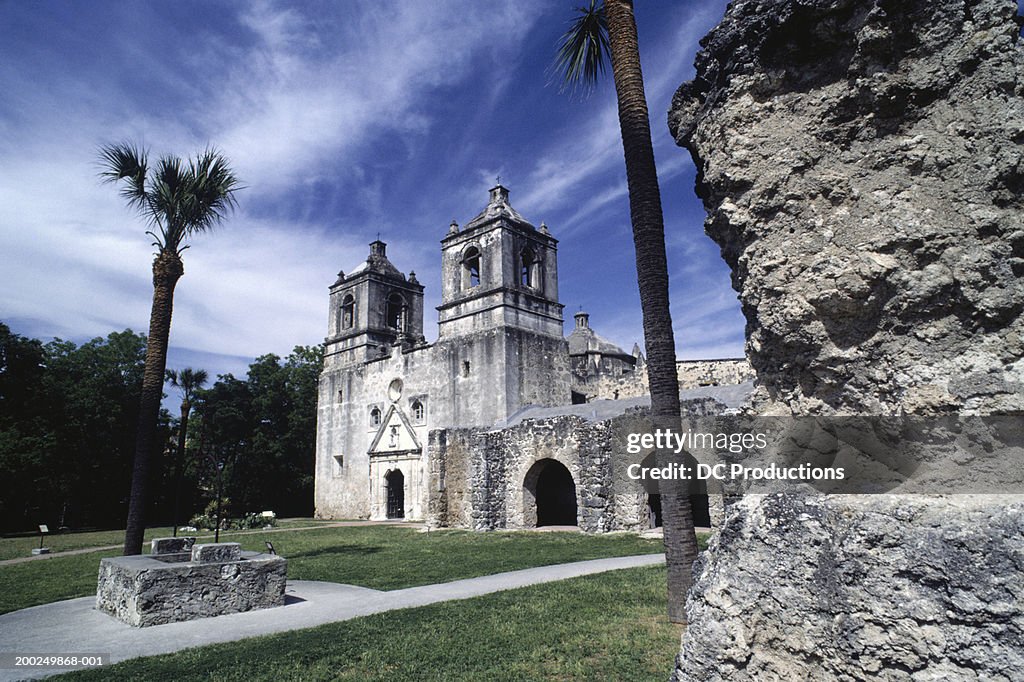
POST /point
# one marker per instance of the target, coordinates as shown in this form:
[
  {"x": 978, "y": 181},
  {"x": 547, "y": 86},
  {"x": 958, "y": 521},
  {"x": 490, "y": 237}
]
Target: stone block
[
  {"x": 152, "y": 590},
  {"x": 171, "y": 545},
  {"x": 216, "y": 553},
  {"x": 879, "y": 271}
]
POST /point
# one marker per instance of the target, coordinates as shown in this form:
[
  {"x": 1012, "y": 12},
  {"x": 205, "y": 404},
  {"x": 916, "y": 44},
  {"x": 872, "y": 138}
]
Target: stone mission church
[{"x": 435, "y": 432}]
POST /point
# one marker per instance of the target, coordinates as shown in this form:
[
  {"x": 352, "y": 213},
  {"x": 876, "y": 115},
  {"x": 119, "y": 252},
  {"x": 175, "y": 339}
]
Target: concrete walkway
[{"x": 76, "y": 627}]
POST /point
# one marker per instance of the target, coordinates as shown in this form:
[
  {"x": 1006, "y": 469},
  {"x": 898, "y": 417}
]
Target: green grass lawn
[
  {"x": 379, "y": 557},
  {"x": 303, "y": 522},
  {"x": 393, "y": 557},
  {"x": 49, "y": 580},
  {"x": 609, "y": 626},
  {"x": 13, "y": 548}
]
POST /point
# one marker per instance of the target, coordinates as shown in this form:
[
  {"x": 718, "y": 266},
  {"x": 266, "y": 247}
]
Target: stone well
[{"x": 180, "y": 580}]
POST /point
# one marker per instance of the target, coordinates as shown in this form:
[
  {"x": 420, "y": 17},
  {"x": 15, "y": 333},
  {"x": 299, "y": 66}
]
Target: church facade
[{"x": 429, "y": 432}]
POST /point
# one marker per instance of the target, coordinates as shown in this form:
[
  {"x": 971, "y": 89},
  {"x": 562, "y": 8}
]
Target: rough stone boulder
[
  {"x": 862, "y": 167},
  {"x": 860, "y": 588}
]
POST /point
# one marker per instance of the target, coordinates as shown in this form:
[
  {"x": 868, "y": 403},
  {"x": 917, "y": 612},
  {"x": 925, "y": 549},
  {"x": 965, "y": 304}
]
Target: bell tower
[
  {"x": 499, "y": 271},
  {"x": 373, "y": 309},
  {"x": 500, "y": 322}
]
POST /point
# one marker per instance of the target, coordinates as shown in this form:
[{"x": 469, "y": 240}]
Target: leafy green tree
[
  {"x": 226, "y": 431},
  {"x": 609, "y": 29},
  {"x": 179, "y": 200},
  {"x": 26, "y": 442},
  {"x": 67, "y": 420},
  {"x": 188, "y": 382},
  {"x": 95, "y": 391},
  {"x": 263, "y": 429}
]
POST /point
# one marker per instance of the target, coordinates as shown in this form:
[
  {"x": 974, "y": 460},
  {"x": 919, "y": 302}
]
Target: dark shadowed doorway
[
  {"x": 550, "y": 495},
  {"x": 395, "y": 481},
  {"x": 698, "y": 490}
]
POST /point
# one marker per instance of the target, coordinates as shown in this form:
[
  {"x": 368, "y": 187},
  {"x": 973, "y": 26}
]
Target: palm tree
[
  {"x": 188, "y": 382},
  {"x": 603, "y": 30},
  {"x": 178, "y": 200}
]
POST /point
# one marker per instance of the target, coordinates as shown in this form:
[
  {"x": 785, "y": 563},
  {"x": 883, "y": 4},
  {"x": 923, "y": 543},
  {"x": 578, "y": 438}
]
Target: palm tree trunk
[
  {"x": 652, "y": 277},
  {"x": 167, "y": 269}
]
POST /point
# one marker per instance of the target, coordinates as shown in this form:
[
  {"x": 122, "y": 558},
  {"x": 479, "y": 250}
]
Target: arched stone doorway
[
  {"x": 699, "y": 505},
  {"x": 549, "y": 495},
  {"x": 654, "y": 519},
  {"x": 698, "y": 490},
  {"x": 394, "y": 483}
]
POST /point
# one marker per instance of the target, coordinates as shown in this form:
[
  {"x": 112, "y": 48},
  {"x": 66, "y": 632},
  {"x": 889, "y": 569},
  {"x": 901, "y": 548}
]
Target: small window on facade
[
  {"x": 465, "y": 368},
  {"x": 418, "y": 412},
  {"x": 348, "y": 312},
  {"x": 375, "y": 417},
  {"x": 395, "y": 313},
  {"x": 471, "y": 268},
  {"x": 340, "y": 461}
]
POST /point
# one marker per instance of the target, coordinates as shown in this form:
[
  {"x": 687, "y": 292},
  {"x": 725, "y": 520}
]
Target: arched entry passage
[
  {"x": 654, "y": 519},
  {"x": 549, "y": 495},
  {"x": 394, "y": 481},
  {"x": 699, "y": 505},
  {"x": 698, "y": 491}
]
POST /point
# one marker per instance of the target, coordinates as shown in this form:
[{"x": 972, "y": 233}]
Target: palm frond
[
  {"x": 193, "y": 379},
  {"x": 157, "y": 242},
  {"x": 167, "y": 192},
  {"x": 188, "y": 380},
  {"x": 178, "y": 199},
  {"x": 125, "y": 161},
  {"x": 212, "y": 190},
  {"x": 583, "y": 50}
]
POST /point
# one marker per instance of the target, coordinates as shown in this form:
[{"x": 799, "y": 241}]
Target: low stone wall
[
  {"x": 479, "y": 479},
  {"x": 181, "y": 581},
  {"x": 494, "y": 464},
  {"x": 691, "y": 373},
  {"x": 731, "y": 372},
  {"x": 615, "y": 386}
]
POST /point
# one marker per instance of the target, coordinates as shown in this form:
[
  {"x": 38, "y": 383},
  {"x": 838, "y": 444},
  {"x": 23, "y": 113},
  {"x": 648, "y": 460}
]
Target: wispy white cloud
[
  {"x": 592, "y": 148},
  {"x": 288, "y": 109},
  {"x": 292, "y": 105},
  {"x": 320, "y": 113}
]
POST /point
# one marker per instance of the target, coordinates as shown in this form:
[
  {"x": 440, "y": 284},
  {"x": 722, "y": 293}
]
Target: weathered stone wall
[
  {"x": 861, "y": 165},
  {"x": 691, "y": 373},
  {"x": 860, "y": 588},
  {"x": 694, "y": 373},
  {"x": 617, "y": 386},
  {"x": 482, "y": 478},
  {"x": 491, "y": 470}
]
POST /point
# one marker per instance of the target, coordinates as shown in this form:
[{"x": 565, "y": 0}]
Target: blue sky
[{"x": 343, "y": 119}]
